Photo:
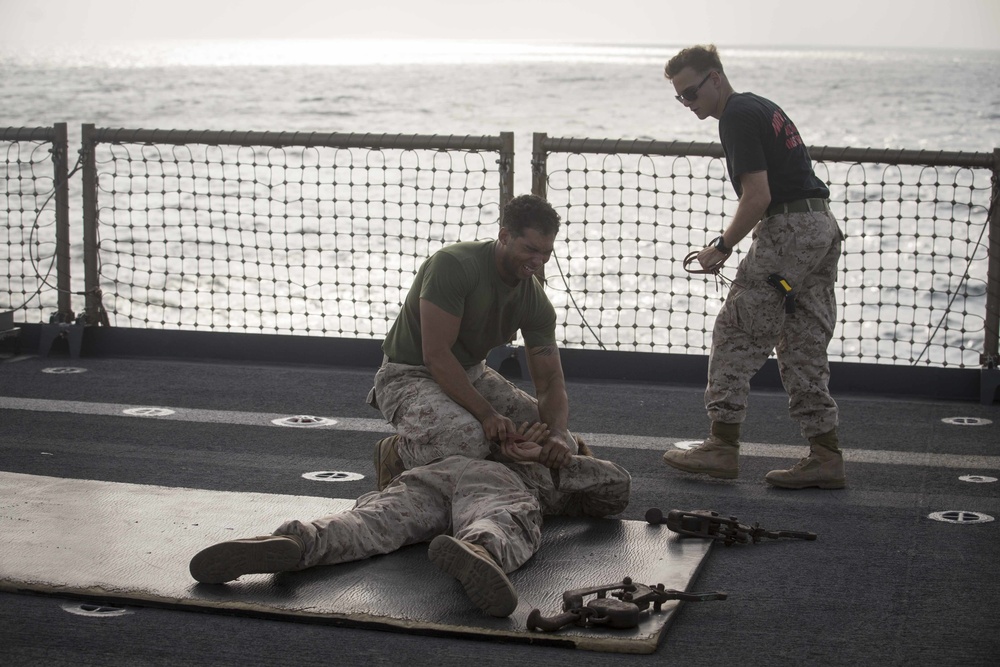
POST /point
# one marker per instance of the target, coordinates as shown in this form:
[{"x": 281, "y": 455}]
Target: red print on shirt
[{"x": 780, "y": 123}]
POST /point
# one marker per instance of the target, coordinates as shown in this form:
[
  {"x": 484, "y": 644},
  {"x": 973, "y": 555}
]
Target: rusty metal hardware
[
  {"x": 621, "y": 611},
  {"x": 709, "y": 524}
]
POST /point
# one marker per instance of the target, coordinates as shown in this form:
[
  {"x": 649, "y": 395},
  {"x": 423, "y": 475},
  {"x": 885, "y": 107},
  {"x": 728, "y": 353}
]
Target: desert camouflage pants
[
  {"x": 478, "y": 501},
  {"x": 433, "y": 426},
  {"x": 804, "y": 248}
]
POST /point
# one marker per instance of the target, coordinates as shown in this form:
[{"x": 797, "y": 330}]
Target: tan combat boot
[
  {"x": 824, "y": 467},
  {"x": 484, "y": 581},
  {"x": 387, "y": 463},
  {"x": 718, "y": 456},
  {"x": 226, "y": 561}
]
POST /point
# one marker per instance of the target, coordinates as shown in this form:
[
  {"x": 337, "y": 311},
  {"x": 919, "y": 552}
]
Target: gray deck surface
[{"x": 883, "y": 584}]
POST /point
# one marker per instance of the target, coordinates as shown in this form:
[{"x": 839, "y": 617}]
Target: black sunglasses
[{"x": 691, "y": 92}]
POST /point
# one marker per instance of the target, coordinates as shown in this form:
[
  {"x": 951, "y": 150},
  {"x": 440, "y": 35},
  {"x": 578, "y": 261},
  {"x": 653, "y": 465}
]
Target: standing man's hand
[{"x": 711, "y": 258}]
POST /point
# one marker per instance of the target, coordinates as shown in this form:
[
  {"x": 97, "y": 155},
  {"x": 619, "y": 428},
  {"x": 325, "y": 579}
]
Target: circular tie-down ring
[
  {"x": 687, "y": 444},
  {"x": 64, "y": 370},
  {"x": 332, "y": 476},
  {"x": 978, "y": 479},
  {"x": 303, "y": 421},
  {"x": 94, "y": 610},
  {"x": 148, "y": 412},
  {"x": 966, "y": 421},
  {"x": 960, "y": 516}
]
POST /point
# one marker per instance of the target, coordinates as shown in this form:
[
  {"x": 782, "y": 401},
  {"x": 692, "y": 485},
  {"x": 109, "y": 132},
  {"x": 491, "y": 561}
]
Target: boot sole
[
  {"x": 227, "y": 561},
  {"x": 719, "y": 474},
  {"x": 485, "y": 583}
]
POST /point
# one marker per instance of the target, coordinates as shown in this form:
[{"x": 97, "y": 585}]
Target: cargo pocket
[{"x": 756, "y": 311}]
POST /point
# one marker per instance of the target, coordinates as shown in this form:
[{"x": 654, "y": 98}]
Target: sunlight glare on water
[{"x": 319, "y": 52}]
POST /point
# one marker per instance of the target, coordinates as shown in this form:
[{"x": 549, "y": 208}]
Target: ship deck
[{"x": 882, "y": 584}]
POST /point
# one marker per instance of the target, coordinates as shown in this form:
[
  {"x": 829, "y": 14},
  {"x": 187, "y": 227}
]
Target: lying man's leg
[
  {"x": 497, "y": 527},
  {"x": 415, "y": 508},
  {"x": 496, "y": 522},
  {"x": 226, "y": 561}
]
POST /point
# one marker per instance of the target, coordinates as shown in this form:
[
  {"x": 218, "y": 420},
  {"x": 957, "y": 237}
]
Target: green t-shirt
[{"x": 462, "y": 280}]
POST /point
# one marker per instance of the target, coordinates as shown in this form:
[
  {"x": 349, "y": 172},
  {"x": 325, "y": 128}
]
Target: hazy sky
[{"x": 851, "y": 23}]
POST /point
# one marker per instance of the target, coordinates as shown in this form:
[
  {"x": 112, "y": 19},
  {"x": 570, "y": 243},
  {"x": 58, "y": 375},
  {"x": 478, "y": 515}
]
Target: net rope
[
  {"x": 318, "y": 240},
  {"x": 912, "y": 286},
  {"x": 295, "y": 240},
  {"x": 27, "y": 229}
]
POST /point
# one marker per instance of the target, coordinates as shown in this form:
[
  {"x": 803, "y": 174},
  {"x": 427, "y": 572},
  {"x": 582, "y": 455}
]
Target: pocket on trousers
[
  {"x": 756, "y": 312},
  {"x": 820, "y": 231}
]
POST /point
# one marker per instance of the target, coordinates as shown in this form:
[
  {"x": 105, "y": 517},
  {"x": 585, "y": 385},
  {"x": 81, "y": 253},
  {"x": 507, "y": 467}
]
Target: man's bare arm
[
  {"x": 438, "y": 332},
  {"x": 546, "y": 371},
  {"x": 752, "y": 207}
]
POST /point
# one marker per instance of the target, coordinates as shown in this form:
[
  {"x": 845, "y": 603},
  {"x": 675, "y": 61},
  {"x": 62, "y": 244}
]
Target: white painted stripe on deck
[
  {"x": 613, "y": 440},
  {"x": 961, "y": 461},
  {"x": 186, "y": 414}
]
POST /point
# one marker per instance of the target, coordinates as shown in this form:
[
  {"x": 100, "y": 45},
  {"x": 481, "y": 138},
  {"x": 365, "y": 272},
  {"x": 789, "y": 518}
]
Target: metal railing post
[
  {"x": 91, "y": 278},
  {"x": 539, "y": 159},
  {"x": 991, "y": 340},
  {"x": 60, "y": 172},
  {"x": 538, "y": 166},
  {"x": 506, "y": 163}
]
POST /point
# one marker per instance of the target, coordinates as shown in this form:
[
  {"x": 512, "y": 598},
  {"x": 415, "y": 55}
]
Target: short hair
[
  {"x": 701, "y": 59},
  {"x": 530, "y": 212}
]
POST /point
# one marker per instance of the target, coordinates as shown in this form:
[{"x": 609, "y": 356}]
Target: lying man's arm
[
  {"x": 587, "y": 486},
  {"x": 593, "y": 487}
]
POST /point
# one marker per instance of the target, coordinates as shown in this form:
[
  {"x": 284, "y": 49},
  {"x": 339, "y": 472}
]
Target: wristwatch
[{"x": 721, "y": 246}]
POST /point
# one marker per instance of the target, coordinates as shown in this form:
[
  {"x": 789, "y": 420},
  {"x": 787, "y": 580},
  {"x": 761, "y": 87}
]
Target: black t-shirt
[{"x": 757, "y": 136}]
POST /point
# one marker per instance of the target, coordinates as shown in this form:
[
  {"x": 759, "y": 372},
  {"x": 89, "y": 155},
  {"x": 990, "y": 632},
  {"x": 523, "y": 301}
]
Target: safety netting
[
  {"x": 913, "y": 276},
  {"x": 27, "y": 226},
  {"x": 222, "y": 232},
  {"x": 305, "y": 240}
]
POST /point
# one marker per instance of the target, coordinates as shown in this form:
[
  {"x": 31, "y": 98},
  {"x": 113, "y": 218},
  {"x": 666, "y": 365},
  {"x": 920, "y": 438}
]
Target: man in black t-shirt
[{"x": 783, "y": 296}]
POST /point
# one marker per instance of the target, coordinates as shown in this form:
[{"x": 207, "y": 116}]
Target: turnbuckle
[
  {"x": 621, "y": 611},
  {"x": 710, "y": 525}
]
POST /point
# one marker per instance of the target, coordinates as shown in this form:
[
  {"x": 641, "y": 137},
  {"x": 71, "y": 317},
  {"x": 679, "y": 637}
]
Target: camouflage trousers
[
  {"x": 430, "y": 424},
  {"x": 478, "y": 501},
  {"x": 803, "y": 248}
]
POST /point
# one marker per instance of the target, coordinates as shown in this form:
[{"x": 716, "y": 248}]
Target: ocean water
[
  {"x": 941, "y": 100},
  {"x": 933, "y": 100}
]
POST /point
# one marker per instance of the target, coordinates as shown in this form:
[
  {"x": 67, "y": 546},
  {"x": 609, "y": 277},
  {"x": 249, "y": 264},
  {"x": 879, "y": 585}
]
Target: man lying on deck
[{"x": 483, "y": 519}]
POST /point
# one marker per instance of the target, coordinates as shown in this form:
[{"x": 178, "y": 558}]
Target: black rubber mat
[{"x": 131, "y": 543}]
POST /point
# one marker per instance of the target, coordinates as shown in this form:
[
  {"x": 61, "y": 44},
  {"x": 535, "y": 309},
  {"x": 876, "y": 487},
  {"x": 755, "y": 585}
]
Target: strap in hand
[{"x": 691, "y": 260}]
